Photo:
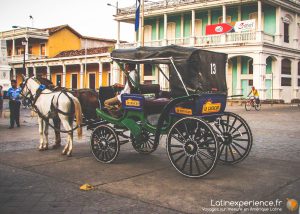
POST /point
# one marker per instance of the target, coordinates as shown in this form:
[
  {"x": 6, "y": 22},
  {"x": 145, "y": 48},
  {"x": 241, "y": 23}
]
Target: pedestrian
[
  {"x": 13, "y": 94},
  {"x": 1, "y": 100}
]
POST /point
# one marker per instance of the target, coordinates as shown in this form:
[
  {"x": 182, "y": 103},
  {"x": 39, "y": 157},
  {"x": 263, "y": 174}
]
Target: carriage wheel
[
  {"x": 105, "y": 144},
  {"x": 235, "y": 138},
  {"x": 248, "y": 105},
  {"x": 192, "y": 147},
  {"x": 147, "y": 143}
]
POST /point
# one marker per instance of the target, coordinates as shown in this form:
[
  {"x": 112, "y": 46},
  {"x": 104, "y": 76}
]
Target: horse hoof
[
  {"x": 63, "y": 153},
  {"x": 56, "y": 146},
  {"x": 69, "y": 155}
]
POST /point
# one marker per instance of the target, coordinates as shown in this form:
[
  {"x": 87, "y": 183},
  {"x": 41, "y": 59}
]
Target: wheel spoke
[
  {"x": 184, "y": 163},
  {"x": 191, "y": 166},
  {"x": 232, "y": 125},
  {"x": 231, "y": 152},
  {"x": 236, "y": 150},
  {"x": 177, "y": 152},
  {"x": 238, "y": 139},
  {"x": 227, "y": 121},
  {"x": 202, "y": 161},
  {"x": 237, "y": 129},
  {"x": 239, "y": 145},
  {"x": 206, "y": 155},
  {"x": 179, "y": 158},
  {"x": 226, "y": 152},
  {"x": 197, "y": 165}
]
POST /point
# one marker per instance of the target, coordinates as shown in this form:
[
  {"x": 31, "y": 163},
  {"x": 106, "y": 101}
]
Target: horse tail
[{"x": 78, "y": 115}]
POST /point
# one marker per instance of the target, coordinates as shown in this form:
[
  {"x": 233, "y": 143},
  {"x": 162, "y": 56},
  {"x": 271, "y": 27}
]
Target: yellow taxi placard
[
  {"x": 181, "y": 110},
  {"x": 210, "y": 107},
  {"x": 131, "y": 102}
]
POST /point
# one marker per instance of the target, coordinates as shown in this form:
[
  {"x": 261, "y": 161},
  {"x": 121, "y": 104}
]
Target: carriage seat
[{"x": 155, "y": 106}]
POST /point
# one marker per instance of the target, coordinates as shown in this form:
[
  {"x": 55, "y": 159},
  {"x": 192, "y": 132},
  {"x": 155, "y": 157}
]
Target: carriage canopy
[{"x": 201, "y": 70}]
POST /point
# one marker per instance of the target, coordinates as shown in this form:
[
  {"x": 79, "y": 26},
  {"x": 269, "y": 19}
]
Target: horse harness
[{"x": 54, "y": 109}]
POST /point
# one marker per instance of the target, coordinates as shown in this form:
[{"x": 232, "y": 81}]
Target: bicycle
[{"x": 251, "y": 103}]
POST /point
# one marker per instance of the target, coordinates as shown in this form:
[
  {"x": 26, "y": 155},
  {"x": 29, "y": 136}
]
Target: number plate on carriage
[{"x": 130, "y": 102}]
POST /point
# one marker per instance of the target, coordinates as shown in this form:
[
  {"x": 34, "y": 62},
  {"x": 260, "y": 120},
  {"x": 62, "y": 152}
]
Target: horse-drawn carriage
[{"x": 199, "y": 132}]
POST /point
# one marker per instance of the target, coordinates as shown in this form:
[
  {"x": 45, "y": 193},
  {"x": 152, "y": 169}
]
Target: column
[
  {"x": 209, "y": 17},
  {"x": 165, "y": 28},
  {"x": 277, "y": 79},
  {"x": 192, "y": 41},
  {"x": 26, "y": 48},
  {"x": 296, "y": 32},
  {"x": 157, "y": 28},
  {"x": 115, "y": 73},
  {"x": 81, "y": 73},
  {"x": 34, "y": 71},
  {"x": 278, "y": 35},
  {"x": 100, "y": 73},
  {"x": 224, "y": 13},
  {"x": 14, "y": 73},
  {"x": 26, "y": 71},
  {"x": 118, "y": 34},
  {"x": 259, "y": 36},
  {"x": 182, "y": 28},
  {"x": 48, "y": 72},
  {"x": 238, "y": 76},
  {"x": 239, "y": 13},
  {"x": 259, "y": 74},
  {"x": 13, "y": 48},
  {"x": 63, "y": 84}
]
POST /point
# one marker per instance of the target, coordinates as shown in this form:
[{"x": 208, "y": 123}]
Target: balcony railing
[
  {"x": 20, "y": 58},
  {"x": 208, "y": 40}
]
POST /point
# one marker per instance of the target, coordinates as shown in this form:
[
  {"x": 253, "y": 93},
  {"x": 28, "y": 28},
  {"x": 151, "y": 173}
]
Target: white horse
[{"x": 50, "y": 104}]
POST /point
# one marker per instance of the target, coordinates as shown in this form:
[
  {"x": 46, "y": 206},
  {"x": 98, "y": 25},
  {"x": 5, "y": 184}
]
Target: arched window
[{"x": 286, "y": 67}]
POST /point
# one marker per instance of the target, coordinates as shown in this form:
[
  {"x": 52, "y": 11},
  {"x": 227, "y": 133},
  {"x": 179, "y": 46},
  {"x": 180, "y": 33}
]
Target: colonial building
[
  {"x": 263, "y": 43},
  {"x": 60, "y": 54}
]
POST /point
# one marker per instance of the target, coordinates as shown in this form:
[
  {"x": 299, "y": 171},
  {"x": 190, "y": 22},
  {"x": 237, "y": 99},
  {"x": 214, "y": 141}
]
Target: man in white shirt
[{"x": 113, "y": 104}]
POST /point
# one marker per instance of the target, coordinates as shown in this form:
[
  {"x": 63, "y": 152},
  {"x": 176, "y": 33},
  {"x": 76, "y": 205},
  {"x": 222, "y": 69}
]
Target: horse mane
[{"x": 44, "y": 81}]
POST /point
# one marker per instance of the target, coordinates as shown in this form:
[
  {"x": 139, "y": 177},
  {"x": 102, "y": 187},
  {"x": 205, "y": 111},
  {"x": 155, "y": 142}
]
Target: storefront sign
[
  {"x": 218, "y": 28},
  {"x": 245, "y": 25}
]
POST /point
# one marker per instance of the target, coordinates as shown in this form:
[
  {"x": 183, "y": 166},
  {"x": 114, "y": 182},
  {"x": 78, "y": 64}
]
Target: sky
[{"x": 89, "y": 17}]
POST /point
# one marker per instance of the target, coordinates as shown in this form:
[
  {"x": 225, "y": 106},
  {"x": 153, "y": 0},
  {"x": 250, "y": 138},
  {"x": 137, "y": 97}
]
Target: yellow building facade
[{"x": 60, "y": 54}]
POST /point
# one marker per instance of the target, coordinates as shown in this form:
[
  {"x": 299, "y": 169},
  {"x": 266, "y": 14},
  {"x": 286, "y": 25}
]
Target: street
[{"x": 47, "y": 182}]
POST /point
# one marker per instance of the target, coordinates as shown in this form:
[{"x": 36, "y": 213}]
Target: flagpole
[{"x": 142, "y": 39}]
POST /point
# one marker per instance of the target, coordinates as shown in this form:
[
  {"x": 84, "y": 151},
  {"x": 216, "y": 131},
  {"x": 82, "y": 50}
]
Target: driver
[{"x": 113, "y": 104}]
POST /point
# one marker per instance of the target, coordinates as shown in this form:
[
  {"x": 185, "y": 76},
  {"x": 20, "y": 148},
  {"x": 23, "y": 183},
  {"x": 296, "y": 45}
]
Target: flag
[{"x": 137, "y": 15}]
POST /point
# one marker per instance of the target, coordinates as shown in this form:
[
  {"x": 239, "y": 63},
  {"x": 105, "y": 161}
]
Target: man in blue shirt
[{"x": 13, "y": 94}]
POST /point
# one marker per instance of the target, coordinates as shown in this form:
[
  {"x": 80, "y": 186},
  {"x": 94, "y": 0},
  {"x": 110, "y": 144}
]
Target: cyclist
[{"x": 255, "y": 94}]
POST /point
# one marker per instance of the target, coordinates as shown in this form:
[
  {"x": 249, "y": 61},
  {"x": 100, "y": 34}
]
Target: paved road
[{"x": 38, "y": 182}]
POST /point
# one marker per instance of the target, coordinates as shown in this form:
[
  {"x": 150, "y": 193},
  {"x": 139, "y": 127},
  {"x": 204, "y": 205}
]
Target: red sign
[{"x": 218, "y": 28}]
